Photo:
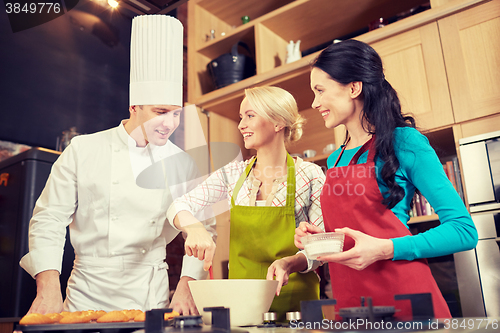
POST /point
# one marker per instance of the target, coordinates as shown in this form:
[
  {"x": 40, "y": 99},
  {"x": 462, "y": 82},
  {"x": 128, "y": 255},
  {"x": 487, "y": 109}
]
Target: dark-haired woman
[{"x": 370, "y": 184}]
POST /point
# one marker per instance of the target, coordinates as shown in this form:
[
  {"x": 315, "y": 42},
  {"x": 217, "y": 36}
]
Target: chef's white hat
[{"x": 156, "y": 60}]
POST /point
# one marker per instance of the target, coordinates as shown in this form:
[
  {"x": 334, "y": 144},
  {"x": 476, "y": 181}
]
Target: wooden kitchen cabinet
[
  {"x": 414, "y": 65},
  {"x": 480, "y": 126},
  {"x": 273, "y": 24},
  {"x": 471, "y": 47}
]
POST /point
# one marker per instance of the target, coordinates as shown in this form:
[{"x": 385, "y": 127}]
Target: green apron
[{"x": 261, "y": 235}]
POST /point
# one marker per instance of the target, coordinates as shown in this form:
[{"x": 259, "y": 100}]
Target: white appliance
[{"x": 478, "y": 270}]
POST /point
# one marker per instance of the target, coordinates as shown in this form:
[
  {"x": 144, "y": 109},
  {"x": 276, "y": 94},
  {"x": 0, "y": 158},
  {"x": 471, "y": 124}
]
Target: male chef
[{"x": 118, "y": 225}]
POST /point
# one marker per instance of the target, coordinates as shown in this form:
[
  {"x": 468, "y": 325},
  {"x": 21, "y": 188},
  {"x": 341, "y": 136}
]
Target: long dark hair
[{"x": 354, "y": 61}]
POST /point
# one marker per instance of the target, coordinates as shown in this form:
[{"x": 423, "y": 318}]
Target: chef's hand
[
  {"x": 199, "y": 243},
  {"x": 282, "y": 268},
  {"x": 304, "y": 229},
  {"x": 366, "y": 250},
  {"x": 48, "y": 293},
  {"x": 182, "y": 301}
]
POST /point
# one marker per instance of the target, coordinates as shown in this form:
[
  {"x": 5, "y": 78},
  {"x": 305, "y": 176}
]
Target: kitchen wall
[{"x": 71, "y": 71}]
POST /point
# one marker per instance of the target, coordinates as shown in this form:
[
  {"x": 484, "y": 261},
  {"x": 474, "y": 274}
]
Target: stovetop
[
  {"x": 366, "y": 318},
  {"x": 362, "y": 319}
]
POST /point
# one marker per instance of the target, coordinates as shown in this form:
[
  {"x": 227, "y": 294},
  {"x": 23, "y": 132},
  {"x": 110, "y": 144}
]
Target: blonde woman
[{"x": 269, "y": 195}]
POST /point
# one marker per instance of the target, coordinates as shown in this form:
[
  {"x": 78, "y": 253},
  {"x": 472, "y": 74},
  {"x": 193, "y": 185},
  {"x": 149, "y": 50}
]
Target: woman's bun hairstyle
[{"x": 296, "y": 130}]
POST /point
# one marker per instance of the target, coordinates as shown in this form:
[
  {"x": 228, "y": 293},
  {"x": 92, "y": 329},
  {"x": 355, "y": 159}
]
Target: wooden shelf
[
  {"x": 232, "y": 11},
  {"x": 293, "y": 77},
  {"x": 267, "y": 35},
  {"x": 317, "y": 158},
  {"x": 219, "y": 46},
  {"x": 425, "y": 218},
  {"x": 302, "y": 19},
  {"x": 315, "y": 22}
]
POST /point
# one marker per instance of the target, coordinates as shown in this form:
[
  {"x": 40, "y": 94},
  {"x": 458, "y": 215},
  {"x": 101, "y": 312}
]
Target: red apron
[{"x": 351, "y": 198}]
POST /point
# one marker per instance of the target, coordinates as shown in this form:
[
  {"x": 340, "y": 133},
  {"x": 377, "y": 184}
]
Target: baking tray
[{"x": 92, "y": 326}]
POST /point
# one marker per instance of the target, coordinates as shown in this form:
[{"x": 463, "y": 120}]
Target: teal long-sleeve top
[{"x": 420, "y": 168}]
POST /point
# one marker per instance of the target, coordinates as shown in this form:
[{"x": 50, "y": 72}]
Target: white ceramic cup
[{"x": 309, "y": 153}]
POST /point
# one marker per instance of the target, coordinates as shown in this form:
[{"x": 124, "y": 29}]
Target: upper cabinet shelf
[
  {"x": 315, "y": 22},
  {"x": 231, "y": 12},
  {"x": 293, "y": 77},
  {"x": 216, "y": 25},
  {"x": 417, "y": 59},
  {"x": 220, "y": 21}
]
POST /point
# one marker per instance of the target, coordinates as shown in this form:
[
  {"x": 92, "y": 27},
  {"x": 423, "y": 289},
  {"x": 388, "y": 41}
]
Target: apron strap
[
  {"x": 370, "y": 146},
  {"x": 341, "y": 152},
  {"x": 372, "y": 150},
  {"x": 240, "y": 181},
  {"x": 290, "y": 193},
  {"x": 290, "y": 182}
]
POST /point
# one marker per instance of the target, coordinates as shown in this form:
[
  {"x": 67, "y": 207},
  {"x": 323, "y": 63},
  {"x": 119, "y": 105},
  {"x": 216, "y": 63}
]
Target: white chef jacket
[{"x": 118, "y": 230}]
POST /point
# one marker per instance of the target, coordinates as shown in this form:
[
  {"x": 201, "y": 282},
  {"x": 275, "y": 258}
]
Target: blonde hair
[{"x": 278, "y": 106}]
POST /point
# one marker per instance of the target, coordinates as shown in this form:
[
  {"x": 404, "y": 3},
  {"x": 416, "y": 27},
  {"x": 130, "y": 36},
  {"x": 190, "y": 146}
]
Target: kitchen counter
[{"x": 458, "y": 325}]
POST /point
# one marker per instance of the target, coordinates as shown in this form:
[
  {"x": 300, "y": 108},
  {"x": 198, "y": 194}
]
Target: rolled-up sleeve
[
  {"x": 199, "y": 199},
  {"x": 192, "y": 266},
  {"x": 315, "y": 216}
]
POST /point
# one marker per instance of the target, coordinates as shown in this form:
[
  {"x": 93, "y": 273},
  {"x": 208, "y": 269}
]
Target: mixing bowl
[
  {"x": 323, "y": 244},
  {"x": 247, "y": 299}
]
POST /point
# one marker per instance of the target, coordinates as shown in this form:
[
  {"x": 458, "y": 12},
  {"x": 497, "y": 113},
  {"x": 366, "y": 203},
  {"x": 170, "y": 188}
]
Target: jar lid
[
  {"x": 295, "y": 315},
  {"x": 269, "y": 316}
]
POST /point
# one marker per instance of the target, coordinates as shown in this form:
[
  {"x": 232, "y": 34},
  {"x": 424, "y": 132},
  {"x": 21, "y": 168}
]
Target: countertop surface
[{"x": 459, "y": 325}]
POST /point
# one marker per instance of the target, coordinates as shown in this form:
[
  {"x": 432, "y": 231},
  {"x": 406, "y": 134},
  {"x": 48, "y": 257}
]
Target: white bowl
[
  {"x": 246, "y": 299},
  {"x": 323, "y": 244}
]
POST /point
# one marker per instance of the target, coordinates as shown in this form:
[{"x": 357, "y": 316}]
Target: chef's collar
[
  {"x": 122, "y": 132},
  {"x": 129, "y": 141}
]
